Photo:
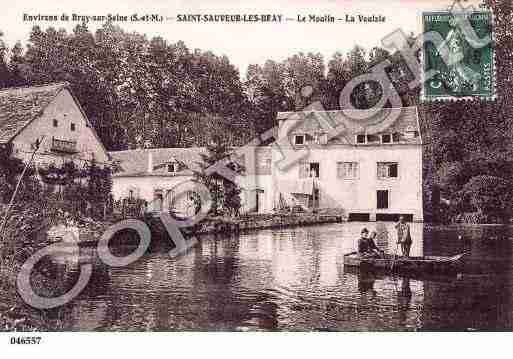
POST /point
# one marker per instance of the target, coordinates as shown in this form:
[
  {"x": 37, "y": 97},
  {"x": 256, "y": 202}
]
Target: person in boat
[
  {"x": 372, "y": 244},
  {"x": 403, "y": 236},
  {"x": 366, "y": 245}
]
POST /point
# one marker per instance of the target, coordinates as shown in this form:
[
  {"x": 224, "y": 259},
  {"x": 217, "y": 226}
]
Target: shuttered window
[
  {"x": 347, "y": 170},
  {"x": 388, "y": 170}
]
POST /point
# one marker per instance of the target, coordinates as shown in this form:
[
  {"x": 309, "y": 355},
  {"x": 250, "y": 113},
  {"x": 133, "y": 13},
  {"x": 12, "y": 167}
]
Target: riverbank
[
  {"x": 90, "y": 231},
  {"x": 222, "y": 225},
  {"x": 23, "y": 235}
]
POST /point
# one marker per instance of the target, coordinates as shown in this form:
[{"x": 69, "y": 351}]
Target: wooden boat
[{"x": 428, "y": 264}]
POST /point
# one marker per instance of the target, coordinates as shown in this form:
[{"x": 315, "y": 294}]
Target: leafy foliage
[
  {"x": 471, "y": 141},
  {"x": 225, "y": 194},
  {"x": 83, "y": 192},
  {"x": 490, "y": 196}
]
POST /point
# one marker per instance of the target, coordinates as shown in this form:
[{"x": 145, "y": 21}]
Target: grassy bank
[{"x": 22, "y": 236}]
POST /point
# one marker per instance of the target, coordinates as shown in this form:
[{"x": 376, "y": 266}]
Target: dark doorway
[
  {"x": 314, "y": 169},
  {"x": 315, "y": 198},
  {"x": 260, "y": 198},
  {"x": 382, "y": 197}
]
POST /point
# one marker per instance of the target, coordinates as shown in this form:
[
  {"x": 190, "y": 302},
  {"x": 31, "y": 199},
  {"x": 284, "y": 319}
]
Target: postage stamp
[{"x": 462, "y": 62}]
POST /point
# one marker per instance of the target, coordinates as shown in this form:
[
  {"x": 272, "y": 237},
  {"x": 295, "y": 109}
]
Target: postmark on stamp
[{"x": 463, "y": 61}]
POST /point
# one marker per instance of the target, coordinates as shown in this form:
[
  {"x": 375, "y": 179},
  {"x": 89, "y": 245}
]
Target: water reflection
[{"x": 294, "y": 279}]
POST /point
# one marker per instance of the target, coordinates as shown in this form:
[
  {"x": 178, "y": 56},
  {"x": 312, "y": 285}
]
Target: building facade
[
  {"x": 52, "y": 115},
  {"x": 157, "y": 176},
  {"x": 363, "y": 164},
  {"x": 369, "y": 165}
]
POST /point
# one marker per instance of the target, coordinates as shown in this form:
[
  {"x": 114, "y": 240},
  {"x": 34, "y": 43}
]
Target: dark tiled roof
[
  {"x": 356, "y": 122},
  {"x": 19, "y": 106},
  {"x": 134, "y": 163}
]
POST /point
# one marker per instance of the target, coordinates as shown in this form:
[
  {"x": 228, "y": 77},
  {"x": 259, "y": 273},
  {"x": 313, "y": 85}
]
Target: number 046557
[{"x": 25, "y": 340}]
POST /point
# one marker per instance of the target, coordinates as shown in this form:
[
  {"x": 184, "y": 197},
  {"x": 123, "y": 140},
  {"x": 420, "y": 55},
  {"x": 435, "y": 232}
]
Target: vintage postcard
[{"x": 274, "y": 166}]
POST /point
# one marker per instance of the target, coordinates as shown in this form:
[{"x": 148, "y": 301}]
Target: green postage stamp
[{"x": 459, "y": 64}]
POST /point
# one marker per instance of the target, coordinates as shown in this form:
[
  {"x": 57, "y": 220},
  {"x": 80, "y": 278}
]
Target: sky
[{"x": 243, "y": 43}]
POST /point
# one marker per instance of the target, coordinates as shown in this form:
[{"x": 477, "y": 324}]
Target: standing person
[{"x": 403, "y": 236}]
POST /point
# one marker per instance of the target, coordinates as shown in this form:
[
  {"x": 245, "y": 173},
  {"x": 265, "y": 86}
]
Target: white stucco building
[
  {"x": 368, "y": 169},
  {"x": 368, "y": 165},
  {"x": 155, "y": 176}
]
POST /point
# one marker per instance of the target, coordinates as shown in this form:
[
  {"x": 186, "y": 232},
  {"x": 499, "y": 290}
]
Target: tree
[
  {"x": 266, "y": 94},
  {"x": 336, "y": 79},
  {"x": 301, "y": 71},
  {"x": 470, "y": 141},
  {"x": 224, "y": 192},
  {"x": 5, "y": 73},
  {"x": 98, "y": 189},
  {"x": 10, "y": 168},
  {"x": 490, "y": 196}
]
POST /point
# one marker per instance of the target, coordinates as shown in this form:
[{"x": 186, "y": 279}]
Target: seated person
[
  {"x": 372, "y": 244},
  {"x": 366, "y": 245}
]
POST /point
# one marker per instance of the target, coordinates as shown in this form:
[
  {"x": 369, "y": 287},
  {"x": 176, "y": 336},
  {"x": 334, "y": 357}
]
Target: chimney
[{"x": 150, "y": 162}]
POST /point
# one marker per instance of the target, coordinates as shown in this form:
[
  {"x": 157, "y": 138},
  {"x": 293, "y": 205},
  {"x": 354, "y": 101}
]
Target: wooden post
[{"x": 13, "y": 197}]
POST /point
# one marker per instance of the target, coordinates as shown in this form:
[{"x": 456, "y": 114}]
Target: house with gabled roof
[
  {"x": 154, "y": 175},
  {"x": 159, "y": 175},
  {"x": 367, "y": 164},
  {"x": 50, "y": 113}
]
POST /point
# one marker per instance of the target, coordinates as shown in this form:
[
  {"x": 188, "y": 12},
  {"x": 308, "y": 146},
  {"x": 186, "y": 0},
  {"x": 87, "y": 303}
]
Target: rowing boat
[{"x": 429, "y": 264}]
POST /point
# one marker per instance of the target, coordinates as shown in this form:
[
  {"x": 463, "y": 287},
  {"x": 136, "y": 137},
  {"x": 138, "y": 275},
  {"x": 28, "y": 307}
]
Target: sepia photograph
[{"x": 280, "y": 166}]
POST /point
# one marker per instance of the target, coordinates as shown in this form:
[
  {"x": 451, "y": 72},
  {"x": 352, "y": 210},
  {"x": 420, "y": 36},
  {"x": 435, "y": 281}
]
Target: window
[
  {"x": 314, "y": 169},
  {"x": 372, "y": 138},
  {"x": 73, "y": 127},
  {"x": 323, "y": 138},
  {"x": 361, "y": 139},
  {"x": 396, "y": 137},
  {"x": 382, "y": 200},
  {"x": 320, "y": 138},
  {"x": 386, "y": 138},
  {"x": 347, "y": 170},
  {"x": 388, "y": 170},
  {"x": 307, "y": 170},
  {"x": 55, "y": 123},
  {"x": 131, "y": 194},
  {"x": 299, "y": 140}
]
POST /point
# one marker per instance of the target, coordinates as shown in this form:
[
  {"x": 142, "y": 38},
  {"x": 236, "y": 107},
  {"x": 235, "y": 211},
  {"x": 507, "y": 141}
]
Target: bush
[
  {"x": 472, "y": 217},
  {"x": 490, "y": 196}
]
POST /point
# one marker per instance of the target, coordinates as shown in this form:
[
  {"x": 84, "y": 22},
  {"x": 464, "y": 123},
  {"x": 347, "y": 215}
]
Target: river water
[{"x": 294, "y": 279}]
